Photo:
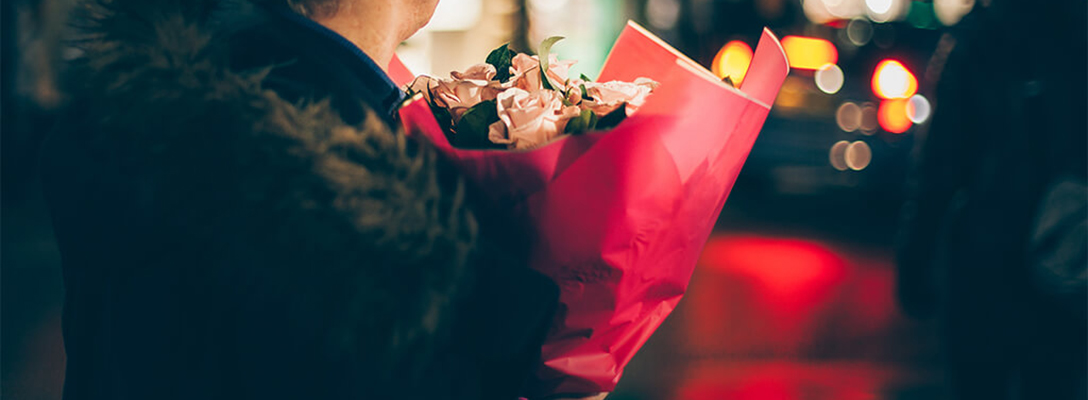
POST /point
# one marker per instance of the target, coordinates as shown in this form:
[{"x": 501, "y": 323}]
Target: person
[
  {"x": 993, "y": 242},
  {"x": 238, "y": 217}
]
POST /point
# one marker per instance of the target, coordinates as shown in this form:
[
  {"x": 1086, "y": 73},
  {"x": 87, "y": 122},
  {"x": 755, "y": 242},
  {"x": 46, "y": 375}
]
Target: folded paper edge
[
  {"x": 768, "y": 70},
  {"x": 691, "y": 65}
]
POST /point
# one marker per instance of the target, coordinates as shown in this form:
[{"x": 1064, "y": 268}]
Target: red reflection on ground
[
  {"x": 788, "y": 380},
  {"x": 760, "y": 294},
  {"x": 785, "y": 267},
  {"x": 871, "y": 299}
]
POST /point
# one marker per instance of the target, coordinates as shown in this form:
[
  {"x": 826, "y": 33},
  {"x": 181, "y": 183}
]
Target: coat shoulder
[{"x": 232, "y": 183}]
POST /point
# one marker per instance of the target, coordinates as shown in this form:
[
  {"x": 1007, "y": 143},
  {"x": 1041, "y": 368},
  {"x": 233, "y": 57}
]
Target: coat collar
[{"x": 373, "y": 76}]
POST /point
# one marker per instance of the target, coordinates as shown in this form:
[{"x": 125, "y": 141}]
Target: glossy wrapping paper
[{"x": 618, "y": 219}]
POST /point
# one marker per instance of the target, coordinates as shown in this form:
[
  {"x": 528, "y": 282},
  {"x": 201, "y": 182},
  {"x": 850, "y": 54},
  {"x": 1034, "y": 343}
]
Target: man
[{"x": 238, "y": 218}]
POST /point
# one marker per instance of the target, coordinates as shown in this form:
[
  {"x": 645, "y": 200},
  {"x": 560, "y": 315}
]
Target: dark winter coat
[{"x": 225, "y": 234}]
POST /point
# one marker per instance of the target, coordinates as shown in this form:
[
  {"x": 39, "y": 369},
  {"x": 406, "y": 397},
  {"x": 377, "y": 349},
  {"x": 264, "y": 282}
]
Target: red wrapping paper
[{"x": 618, "y": 219}]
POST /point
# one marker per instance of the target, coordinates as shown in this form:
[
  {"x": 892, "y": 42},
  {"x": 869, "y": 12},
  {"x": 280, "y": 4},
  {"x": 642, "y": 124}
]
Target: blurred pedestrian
[{"x": 994, "y": 238}]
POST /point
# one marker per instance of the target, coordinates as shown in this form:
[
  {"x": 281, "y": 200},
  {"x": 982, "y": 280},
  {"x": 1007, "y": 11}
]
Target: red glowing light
[
  {"x": 893, "y": 115},
  {"x": 892, "y": 80}
]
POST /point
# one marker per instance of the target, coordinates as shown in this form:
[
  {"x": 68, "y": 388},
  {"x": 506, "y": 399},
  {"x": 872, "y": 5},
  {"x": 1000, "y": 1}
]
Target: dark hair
[
  {"x": 312, "y": 8},
  {"x": 309, "y": 8}
]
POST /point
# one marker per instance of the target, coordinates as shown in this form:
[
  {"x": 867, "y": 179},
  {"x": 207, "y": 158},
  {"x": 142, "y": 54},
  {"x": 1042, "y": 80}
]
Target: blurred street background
[{"x": 794, "y": 297}]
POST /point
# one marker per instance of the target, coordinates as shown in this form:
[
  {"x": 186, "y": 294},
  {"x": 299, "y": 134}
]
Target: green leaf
[
  {"x": 445, "y": 120},
  {"x": 613, "y": 118},
  {"x": 585, "y": 93},
  {"x": 544, "y": 55},
  {"x": 585, "y": 122},
  {"x": 586, "y": 78},
  {"x": 472, "y": 130},
  {"x": 502, "y": 58}
]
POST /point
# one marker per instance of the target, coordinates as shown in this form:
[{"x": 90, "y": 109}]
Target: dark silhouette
[
  {"x": 994, "y": 240},
  {"x": 235, "y": 222}
]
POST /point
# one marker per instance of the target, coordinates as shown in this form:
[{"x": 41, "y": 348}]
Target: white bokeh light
[
  {"x": 879, "y": 6},
  {"x": 887, "y": 10},
  {"x": 894, "y": 80},
  {"x": 829, "y": 78},
  {"x": 950, "y": 12},
  {"x": 918, "y": 109},
  {"x": 816, "y": 11}
]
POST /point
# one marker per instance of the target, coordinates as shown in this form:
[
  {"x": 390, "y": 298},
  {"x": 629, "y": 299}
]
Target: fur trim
[{"x": 355, "y": 224}]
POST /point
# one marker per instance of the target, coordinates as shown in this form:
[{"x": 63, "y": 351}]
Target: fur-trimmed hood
[{"x": 172, "y": 160}]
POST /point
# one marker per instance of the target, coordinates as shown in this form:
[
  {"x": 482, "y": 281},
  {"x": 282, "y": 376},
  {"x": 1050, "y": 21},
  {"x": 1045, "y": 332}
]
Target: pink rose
[
  {"x": 525, "y": 71},
  {"x": 458, "y": 96},
  {"x": 529, "y": 119},
  {"x": 478, "y": 72},
  {"x": 424, "y": 85},
  {"x": 608, "y": 96},
  {"x": 559, "y": 71}
]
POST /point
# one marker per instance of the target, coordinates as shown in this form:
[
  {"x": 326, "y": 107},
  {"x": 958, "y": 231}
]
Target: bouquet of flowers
[
  {"x": 520, "y": 102},
  {"x": 616, "y": 185}
]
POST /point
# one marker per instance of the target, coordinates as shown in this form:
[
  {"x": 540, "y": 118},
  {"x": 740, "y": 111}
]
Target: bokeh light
[
  {"x": 817, "y": 12},
  {"x": 848, "y": 117},
  {"x": 892, "y": 80},
  {"x": 858, "y": 155},
  {"x": 893, "y": 115},
  {"x": 921, "y": 15},
  {"x": 831, "y": 4},
  {"x": 732, "y": 61},
  {"x": 869, "y": 120},
  {"x": 859, "y": 31},
  {"x": 829, "y": 78},
  {"x": 838, "y": 155},
  {"x": 879, "y": 6},
  {"x": 809, "y": 53},
  {"x": 887, "y": 10},
  {"x": 918, "y": 109},
  {"x": 844, "y": 9},
  {"x": 663, "y": 14},
  {"x": 950, "y": 12}
]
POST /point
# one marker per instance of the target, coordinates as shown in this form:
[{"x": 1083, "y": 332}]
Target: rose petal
[
  {"x": 480, "y": 72},
  {"x": 529, "y": 119}
]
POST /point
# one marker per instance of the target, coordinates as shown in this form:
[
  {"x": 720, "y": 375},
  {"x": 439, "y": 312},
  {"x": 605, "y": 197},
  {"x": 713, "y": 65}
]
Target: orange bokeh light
[
  {"x": 733, "y": 61},
  {"x": 893, "y": 115},
  {"x": 809, "y": 53},
  {"x": 892, "y": 80}
]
